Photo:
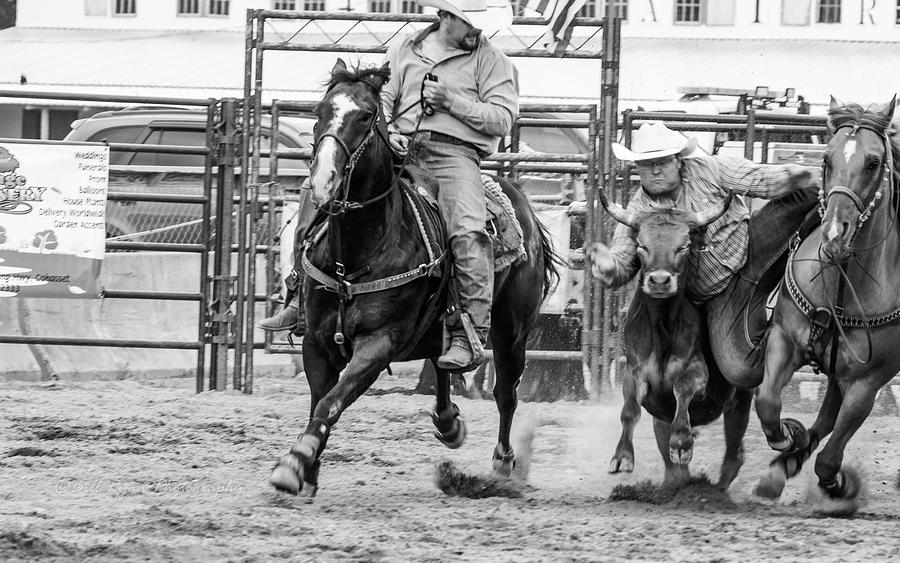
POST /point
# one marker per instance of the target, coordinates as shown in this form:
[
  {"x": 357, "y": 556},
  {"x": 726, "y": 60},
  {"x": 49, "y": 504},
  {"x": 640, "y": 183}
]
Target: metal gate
[
  {"x": 208, "y": 246},
  {"x": 368, "y": 33}
]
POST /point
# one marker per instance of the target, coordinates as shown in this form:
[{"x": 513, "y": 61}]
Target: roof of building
[{"x": 204, "y": 64}]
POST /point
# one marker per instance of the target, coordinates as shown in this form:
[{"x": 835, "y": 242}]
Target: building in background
[{"x": 195, "y": 49}]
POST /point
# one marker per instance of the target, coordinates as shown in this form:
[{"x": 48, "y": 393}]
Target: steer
[{"x": 671, "y": 371}]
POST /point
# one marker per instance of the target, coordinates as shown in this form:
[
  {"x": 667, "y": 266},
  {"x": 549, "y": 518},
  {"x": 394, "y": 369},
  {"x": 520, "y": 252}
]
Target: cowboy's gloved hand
[
  {"x": 602, "y": 264},
  {"x": 399, "y": 143},
  {"x": 437, "y": 95}
]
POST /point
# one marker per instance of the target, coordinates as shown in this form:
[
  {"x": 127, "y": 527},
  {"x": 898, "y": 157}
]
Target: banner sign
[{"x": 52, "y": 219}]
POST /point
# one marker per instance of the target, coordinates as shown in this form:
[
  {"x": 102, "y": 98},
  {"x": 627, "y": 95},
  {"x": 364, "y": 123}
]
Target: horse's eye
[
  {"x": 873, "y": 165},
  {"x": 641, "y": 247}
]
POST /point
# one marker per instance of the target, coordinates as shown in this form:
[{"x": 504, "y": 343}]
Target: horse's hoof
[
  {"x": 286, "y": 475},
  {"x": 503, "y": 463},
  {"x": 621, "y": 464},
  {"x": 504, "y": 467},
  {"x": 769, "y": 487},
  {"x": 455, "y": 438},
  {"x": 309, "y": 491}
]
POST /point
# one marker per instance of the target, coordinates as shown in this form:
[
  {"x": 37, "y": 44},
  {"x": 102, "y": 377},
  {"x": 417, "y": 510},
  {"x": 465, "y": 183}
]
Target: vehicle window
[
  {"x": 549, "y": 139},
  {"x": 185, "y": 137},
  {"x": 118, "y": 135}
]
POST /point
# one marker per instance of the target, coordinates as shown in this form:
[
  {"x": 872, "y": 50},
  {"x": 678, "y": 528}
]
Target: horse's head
[
  {"x": 347, "y": 121},
  {"x": 663, "y": 238},
  {"x": 857, "y": 172}
]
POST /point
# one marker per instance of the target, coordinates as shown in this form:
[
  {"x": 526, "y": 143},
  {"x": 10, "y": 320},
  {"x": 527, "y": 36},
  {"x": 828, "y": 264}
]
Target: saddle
[{"x": 502, "y": 225}]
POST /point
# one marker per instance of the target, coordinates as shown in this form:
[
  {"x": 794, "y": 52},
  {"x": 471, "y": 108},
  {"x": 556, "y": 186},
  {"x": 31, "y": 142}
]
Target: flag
[{"x": 560, "y": 14}]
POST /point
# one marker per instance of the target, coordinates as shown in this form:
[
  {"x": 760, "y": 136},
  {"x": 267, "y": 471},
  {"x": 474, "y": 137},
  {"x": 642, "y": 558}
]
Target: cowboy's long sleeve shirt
[
  {"x": 705, "y": 181},
  {"x": 485, "y": 82}
]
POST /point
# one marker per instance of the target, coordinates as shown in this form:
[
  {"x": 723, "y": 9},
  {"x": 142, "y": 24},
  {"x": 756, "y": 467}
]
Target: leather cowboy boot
[
  {"x": 468, "y": 328},
  {"x": 286, "y": 319},
  {"x": 459, "y": 355}
]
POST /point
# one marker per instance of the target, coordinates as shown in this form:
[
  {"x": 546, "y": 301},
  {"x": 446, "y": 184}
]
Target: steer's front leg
[{"x": 689, "y": 382}]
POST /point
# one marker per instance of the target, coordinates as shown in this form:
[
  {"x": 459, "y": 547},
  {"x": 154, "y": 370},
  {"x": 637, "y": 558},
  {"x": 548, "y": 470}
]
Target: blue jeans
[
  {"x": 737, "y": 316},
  {"x": 461, "y": 200}
]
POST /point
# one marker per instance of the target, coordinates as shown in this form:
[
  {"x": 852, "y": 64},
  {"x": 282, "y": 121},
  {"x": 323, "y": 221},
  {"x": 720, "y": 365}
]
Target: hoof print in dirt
[{"x": 454, "y": 482}]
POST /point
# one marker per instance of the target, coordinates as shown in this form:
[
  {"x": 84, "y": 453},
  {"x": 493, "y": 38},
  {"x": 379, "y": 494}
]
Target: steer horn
[
  {"x": 617, "y": 212},
  {"x": 707, "y": 216}
]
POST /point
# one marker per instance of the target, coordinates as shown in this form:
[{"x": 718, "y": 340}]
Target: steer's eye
[
  {"x": 642, "y": 247},
  {"x": 684, "y": 247}
]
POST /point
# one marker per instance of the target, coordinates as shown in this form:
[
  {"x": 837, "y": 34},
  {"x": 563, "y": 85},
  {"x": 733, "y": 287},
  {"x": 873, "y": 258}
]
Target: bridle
[
  {"x": 886, "y": 183},
  {"x": 340, "y": 204}
]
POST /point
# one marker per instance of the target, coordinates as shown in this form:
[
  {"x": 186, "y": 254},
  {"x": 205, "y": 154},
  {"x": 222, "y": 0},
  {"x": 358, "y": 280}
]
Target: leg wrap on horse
[
  {"x": 796, "y": 438},
  {"x": 311, "y": 442},
  {"x": 451, "y": 429}
]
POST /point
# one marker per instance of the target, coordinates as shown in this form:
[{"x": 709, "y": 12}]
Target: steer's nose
[
  {"x": 660, "y": 283},
  {"x": 659, "y": 278}
]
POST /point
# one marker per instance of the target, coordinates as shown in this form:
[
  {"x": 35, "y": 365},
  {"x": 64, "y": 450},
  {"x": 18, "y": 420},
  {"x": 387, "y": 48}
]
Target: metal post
[
  {"x": 222, "y": 329},
  {"x": 751, "y": 134}
]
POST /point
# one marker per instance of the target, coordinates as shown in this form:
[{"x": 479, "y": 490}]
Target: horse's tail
[{"x": 552, "y": 260}]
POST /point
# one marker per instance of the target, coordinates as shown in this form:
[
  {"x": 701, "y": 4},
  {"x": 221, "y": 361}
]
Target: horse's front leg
[
  {"x": 290, "y": 475},
  {"x": 450, "y": 427},
  {"x": 690, "y": 381},
  {"x": 634, "y": 389},
  {"x": 371, "y": 354},
  {"x": 790, "y": 463},
  {"x": 787, "y": 436},
  {"x": 837, "y": 483}
]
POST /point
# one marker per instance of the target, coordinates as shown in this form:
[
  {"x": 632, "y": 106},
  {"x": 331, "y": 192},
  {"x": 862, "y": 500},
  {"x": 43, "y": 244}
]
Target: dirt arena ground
[{"x": 150, "y": 471}]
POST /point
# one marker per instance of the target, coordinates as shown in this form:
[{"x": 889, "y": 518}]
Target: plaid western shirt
[{"x": 705, "y": 182}]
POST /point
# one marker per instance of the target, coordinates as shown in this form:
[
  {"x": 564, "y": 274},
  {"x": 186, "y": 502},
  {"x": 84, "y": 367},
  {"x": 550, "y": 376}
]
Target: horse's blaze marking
[
  {"x": 834, "y": 230},
  {"x": 341, "y": 106},
  {"x": 849, "y": 149}
]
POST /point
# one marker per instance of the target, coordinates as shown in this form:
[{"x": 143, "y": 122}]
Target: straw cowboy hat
[
  {"x": 655, "y": 140},
  {"x": 487, "y": 15}
]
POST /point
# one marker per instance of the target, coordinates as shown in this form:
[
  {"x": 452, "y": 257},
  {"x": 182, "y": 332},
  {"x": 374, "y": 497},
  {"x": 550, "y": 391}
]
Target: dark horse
[
  {"x": 376, "y": 285},
  {"x": 839, "y": 305}
]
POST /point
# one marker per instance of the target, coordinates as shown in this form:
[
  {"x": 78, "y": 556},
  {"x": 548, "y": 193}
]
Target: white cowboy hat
[
  {"x": 655, "y": 140},
  {"x": 487, "y": 15}
]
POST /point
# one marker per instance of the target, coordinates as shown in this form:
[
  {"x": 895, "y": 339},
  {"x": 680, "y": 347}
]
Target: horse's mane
[{"x": 360, "y": 74}]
